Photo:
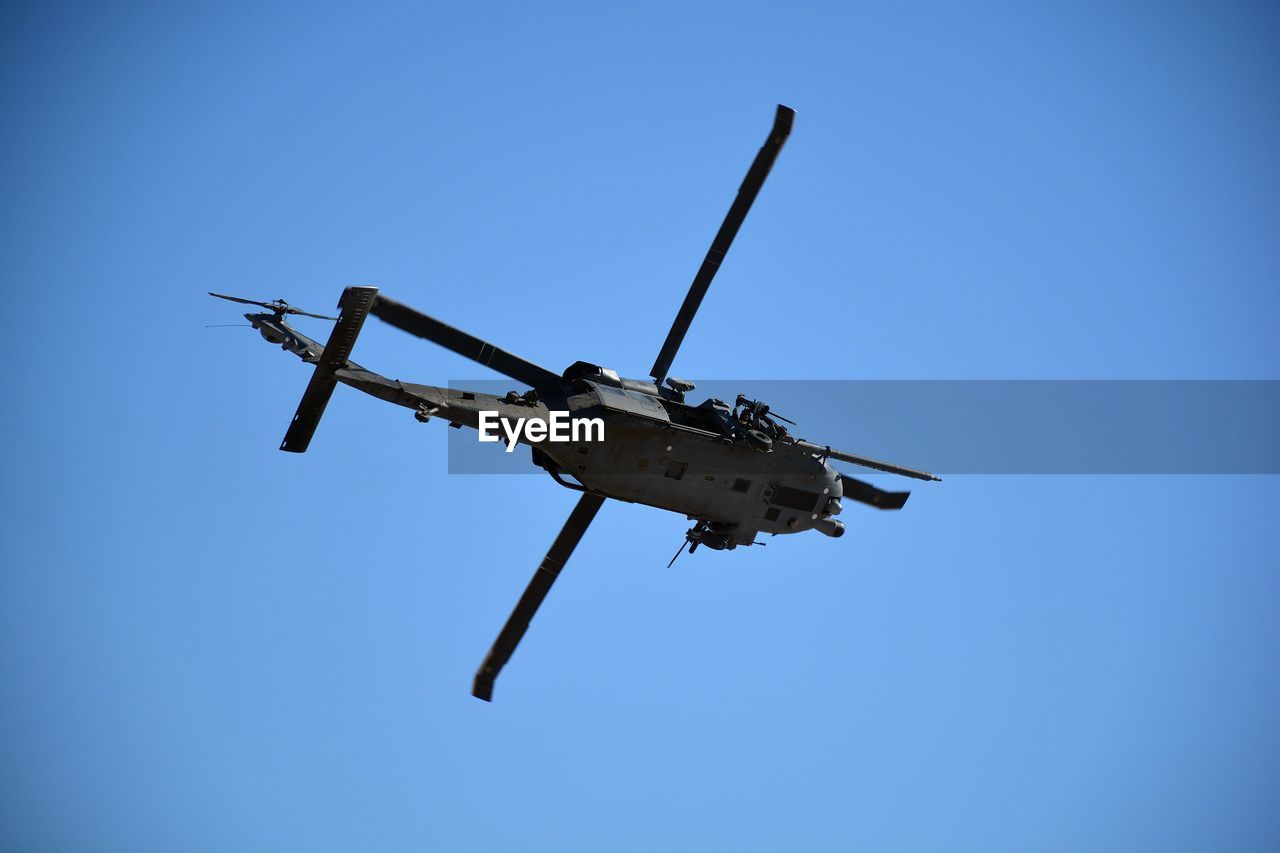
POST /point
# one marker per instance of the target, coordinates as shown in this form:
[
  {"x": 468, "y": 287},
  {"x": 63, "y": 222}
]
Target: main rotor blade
[
  {"x": 724, "y": 239},
  {"x": 416, "y": 323},
  {"x": 865, "y": 493},
  {"x": 537, "y": 590},
  {"x": 864, "y": 461}
]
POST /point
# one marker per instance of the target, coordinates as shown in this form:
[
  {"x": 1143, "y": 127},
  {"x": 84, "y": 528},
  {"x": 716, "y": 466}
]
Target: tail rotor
[{"x": 279, "y": 306}]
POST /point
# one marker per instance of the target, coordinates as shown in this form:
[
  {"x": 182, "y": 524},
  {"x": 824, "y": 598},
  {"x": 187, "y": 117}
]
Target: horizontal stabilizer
[
  {"x": 355, "y": 304},
  {"x": 865, "y": 493}
]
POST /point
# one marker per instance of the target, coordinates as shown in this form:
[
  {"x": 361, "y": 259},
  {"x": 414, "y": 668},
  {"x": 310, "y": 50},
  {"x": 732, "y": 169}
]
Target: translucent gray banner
[{"x": 995, "y": 426}]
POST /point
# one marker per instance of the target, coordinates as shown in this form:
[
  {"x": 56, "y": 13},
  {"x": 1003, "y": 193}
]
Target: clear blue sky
[{"x": 206, "y": 643}]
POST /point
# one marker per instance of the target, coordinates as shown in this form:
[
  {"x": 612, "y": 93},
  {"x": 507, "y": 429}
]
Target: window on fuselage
[
  {"x": 795, "y": 498},
  {"x": 689, "y": 416}
]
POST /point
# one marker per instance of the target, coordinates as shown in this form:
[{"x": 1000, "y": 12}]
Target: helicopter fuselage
[
  {"x": 735, "y": 471},
  {"x": 655, "y": 450}
]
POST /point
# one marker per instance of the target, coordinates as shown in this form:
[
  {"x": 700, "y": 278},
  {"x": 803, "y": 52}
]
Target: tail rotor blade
[
  {"x": 241, "y": 301},
  {"x": 747, "y": 192},
  {"x": 309, "y": 314},
  {"x": 279, "y": 306},
  {"x": 539, "y": 586}
]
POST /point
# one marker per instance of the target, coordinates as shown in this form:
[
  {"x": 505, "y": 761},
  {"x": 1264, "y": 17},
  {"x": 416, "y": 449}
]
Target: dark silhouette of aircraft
[{"x": 735, "y": 471}]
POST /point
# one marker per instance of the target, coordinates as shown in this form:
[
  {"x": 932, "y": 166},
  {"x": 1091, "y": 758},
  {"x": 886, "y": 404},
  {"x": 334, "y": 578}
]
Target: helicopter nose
[{"x": 834, "y": 485}]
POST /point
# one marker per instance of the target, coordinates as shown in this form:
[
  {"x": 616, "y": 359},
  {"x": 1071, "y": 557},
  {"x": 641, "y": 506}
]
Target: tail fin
[{"x": 355, "y": 304}]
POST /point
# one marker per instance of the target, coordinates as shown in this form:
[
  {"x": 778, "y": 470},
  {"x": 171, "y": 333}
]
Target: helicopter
[{"x": 736, "y": 471}]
